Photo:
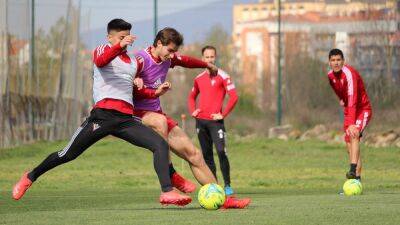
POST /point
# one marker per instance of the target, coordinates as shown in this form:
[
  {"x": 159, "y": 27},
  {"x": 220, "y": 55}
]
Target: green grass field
[{"x": 289, "y": 183}]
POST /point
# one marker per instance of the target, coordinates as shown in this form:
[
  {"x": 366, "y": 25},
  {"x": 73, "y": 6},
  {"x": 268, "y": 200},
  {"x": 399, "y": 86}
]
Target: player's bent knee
[
  {"x": 355, "y": 139},
  {"x": 160, "y": 125}
]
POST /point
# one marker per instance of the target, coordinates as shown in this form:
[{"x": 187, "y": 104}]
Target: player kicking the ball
[{"x": 155, "y": 62}]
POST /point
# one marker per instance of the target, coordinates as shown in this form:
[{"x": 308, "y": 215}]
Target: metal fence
[{"x": 45, "y": 74}]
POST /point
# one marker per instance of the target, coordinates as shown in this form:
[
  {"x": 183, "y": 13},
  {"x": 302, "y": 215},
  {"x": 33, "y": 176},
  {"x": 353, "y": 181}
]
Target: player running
[
  {"x": 349, "y": 87},
  {"x": 209, "y": 114},
  {"x": 155, "y": 63},
  {"x": 113, "y": 78}
]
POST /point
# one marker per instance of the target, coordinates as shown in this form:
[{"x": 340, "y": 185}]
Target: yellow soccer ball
[
  {"x": 352, "y": 187},
  {"x": 211, "y": 196}
]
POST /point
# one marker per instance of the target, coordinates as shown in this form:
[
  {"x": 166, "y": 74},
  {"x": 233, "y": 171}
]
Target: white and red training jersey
[
  {"x": 113, "y": 75},
  {"x": 349, "y": 87},
  {"x": 212, "y": 90}
]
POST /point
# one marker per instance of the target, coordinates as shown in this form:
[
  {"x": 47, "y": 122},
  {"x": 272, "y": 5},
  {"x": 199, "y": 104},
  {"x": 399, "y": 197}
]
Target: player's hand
[
  {"x": 353, "y": 131},
  {"x": 341, "y": 102},
  {"x": 138, "y": 82},
  {"x": 196, "y": 112},
  {"x": 217, "y": 116},
  {"x": 163, "y": 88},
  {"x": 213, "y": 69},
  {"x": 128, "y": 40}
]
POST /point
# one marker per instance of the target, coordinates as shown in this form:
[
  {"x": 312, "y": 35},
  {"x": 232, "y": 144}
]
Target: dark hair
[
  {"x": 118, "y": 25},
  {"x": 208, "y": 47},
  {"x": 168, "y": 35},
  {"x": 336, "y": 51}
]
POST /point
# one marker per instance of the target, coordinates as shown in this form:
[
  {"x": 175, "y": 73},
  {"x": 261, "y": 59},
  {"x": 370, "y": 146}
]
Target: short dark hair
[
  {"x": 168, "y": 35},
  {"x": 336, "y": 51},
  {"x": 208, "y": 47},
  {"x": 118, "y": 25}
]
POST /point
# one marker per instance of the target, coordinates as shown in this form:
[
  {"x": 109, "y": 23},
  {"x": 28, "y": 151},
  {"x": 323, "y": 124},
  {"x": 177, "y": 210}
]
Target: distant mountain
[{"x": 192, "y": 23}]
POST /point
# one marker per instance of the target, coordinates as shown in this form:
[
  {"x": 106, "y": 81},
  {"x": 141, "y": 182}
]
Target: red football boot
[
  {"x": 20, "y": 188},
  {"x": 174, "y": 198},
  {"x": 182, "y": 184},
  {"x": 235, "y": 203}
]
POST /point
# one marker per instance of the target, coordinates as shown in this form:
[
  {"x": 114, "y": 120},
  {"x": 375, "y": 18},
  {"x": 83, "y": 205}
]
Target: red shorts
[
  {"x": 170, "y": 122},
  {"x": 362, "y": 119}
]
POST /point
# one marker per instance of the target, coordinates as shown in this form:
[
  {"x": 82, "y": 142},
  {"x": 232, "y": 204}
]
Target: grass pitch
[{"x": 289, "y": 182}]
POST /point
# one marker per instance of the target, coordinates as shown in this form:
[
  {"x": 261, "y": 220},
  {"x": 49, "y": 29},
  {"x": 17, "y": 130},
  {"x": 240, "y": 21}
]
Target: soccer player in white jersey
[{"x": 113, "y": 81}]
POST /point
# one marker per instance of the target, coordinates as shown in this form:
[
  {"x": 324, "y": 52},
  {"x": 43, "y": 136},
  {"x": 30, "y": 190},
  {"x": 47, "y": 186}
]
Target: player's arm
[
  {"x": 144, "y": 93},
  {"x": 233, "y": 97},
  {"x": 352, "y": 96},
  {"x": 104, "y": 54},
  {"x": 191, "y": 62},
  {"x": 192, "y": 100},
  {"x": 151, "y": 93}
]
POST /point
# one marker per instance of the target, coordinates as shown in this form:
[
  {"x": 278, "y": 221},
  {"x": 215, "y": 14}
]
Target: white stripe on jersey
[
  {"x": 364, "y": 123},
  {"x": 350, "y": 84},
  {"x": 230, "y": 87},
  {"x": 98, "y": 50},
  {"x": 102, "y": 49},
  {"x": 223, "y": 74}
]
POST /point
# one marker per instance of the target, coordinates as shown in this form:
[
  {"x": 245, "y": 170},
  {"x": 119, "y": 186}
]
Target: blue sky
[
  {"x": 101, "y": 11},
  {"x": 95, "y": 14}
]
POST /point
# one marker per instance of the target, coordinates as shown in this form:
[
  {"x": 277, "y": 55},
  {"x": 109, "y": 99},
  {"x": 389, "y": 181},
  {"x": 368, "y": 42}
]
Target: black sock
[
  {"x": 31, "y": 177},
  {"x": 358, "y": 178},
  {"x": 353, "y": 167},
  {"x": 171, "y": 170}
]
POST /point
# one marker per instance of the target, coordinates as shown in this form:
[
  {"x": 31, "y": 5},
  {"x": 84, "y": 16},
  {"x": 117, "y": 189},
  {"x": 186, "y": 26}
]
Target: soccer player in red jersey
[
  {"x": 209, "y": 114},
  {"x": 349, "y": 87},
  {"x": 113, "y": 80}
]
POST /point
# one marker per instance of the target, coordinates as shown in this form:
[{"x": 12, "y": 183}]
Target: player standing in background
[
  {"x": 209, "y": 115},
  {"x": 349, "y": 87}
]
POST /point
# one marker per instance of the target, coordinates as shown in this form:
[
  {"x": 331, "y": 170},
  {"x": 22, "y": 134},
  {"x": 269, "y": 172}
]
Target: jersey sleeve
[
  {"x": 104, "y": 54},
  {"x": 144, "y": 93},
  {"x": 140, "y": 65},
  {"x": 233, "y": 97},
  {"x": 187, "y": 62},
  {"x": 352, "y": 90},
  {"x": 192, "y": 97}
]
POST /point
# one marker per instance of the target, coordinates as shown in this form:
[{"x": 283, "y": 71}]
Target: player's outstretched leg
[
  {"x": 83, "y": 138},
  {"x": 184, "y": 148},
  {"x": 140, "y": 135},
  {"x": 158, "y": 122}
]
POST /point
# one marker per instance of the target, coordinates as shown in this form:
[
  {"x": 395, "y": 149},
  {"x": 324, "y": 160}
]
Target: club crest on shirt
[{"x": 157, "y": 83}]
